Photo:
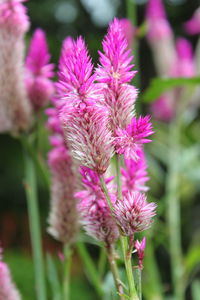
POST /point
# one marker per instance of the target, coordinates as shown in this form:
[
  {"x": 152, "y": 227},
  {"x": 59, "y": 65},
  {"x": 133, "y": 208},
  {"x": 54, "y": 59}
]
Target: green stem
[
  {"x": 129, "y": 271},
  {"x": 105, "y": 190},
  {"x": 32, "y": 202},
  {"x": 173, "y": 210},
  {"x": 118, "y": 177},
  {"x": 67, "y": 268},
  {"x": 102, "y": 262},
  {"x": 90, "y": 268},
  {"x": 138, "y": 281},
  {"x": 115, "y": 271}
]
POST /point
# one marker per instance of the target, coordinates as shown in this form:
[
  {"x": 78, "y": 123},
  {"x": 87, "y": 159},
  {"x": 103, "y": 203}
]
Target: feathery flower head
[
  {"x": 128, "y": 31},
  {"x": 63, "y": 224},
  {"x": 134, "y": 174},
  {"x": 95, "y": 214},
  {"x": 115, "y": 65},
  {"x": 134, "y": 213},
  {"x": 8, "y": 289},
  {"x": 84, "y": 120},
  {"x": 128, "y": 141},
  {"x": 193, "y": 25},
  {"x": 140, "y": 247},
  {"x": 38, "y": 71},
  {"x": 13, "y": 16}
]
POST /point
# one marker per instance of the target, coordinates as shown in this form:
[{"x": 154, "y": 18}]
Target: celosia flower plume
[
  {"x": 115, "y": 72},
  {"x": 128, "y": 30},
  {"x": 39, "y": 71},
  {"x": 95, "y": 213},
  {"x": 63, "y": 213},
  {"x": 8, "y": 290},
  {"x": 134, "y": 213},
  {"x": 84, "y": 119},
  {"x": 15, "y": 109},
  {"x": 128, "y": 141}
]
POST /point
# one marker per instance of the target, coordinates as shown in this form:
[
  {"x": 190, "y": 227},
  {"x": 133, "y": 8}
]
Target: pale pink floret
[
  {"x": 115, "y": 72},
  {"x": 134, "y": 174},
  {"x": 53, "y": 122},
  {"x": 140, "y": 247},
  {"x": 8, "y": 289},
  {"x": 63, "y": 224},
  {"x": 94, "y": 210},
  {"x": 134, "y": 213},
  {"x": 84, "y": 120},
  {"x": 193, "y": 25},
  {"x": 128, "y": 141},
  {"x": 13, "y": 15},
  {"x": 39, "y": 71}
]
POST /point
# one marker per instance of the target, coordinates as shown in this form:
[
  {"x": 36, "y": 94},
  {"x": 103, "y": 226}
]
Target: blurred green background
[{"x": 90, "y": 18}]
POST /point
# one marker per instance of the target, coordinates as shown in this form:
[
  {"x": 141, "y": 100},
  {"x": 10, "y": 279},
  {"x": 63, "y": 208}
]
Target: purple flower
[
  {"x": 128, "y": 30},
  {"x": 193, "y": 25},
  {"x": 140, "y": 247},
  {"x": 38, "y": 71},
  {"x": 128, "y": 141},
  {"x": 95, "y": 214},
  {"x": 84, "y": 119},
  {"x": 134, "y": 174},
  {"x": 134, "y": 213}
]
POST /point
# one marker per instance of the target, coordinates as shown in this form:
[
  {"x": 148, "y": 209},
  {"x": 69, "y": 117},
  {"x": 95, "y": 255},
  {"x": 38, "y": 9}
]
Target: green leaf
[
  {"x": 160, "y": 85},
  {"x": 192, "y": 258},
  {"x": 196, "y": 290}
]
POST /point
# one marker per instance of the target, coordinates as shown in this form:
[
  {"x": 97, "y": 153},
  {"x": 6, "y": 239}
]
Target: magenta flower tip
[
  {"x": 38, "y": 70},
  {"x": 193, "y": 25},
  {"x": 134, "y": 213},
  {"x": 140, "y": 247},
  {"x": 128, "y": 141}
]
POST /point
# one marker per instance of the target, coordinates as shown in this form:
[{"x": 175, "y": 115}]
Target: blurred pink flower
[
  {"x": 163, "y": 108},
  {"x": 134, "y": 213},
  {"x": 38, "y": 71},
  {"x": 8, "y": 289},
  {"x": 193, "y": 25},
  {"x": 128, "y": 31},
  {"x": 84, "y": 119},
  {"x": 15, "y": 109},
  {"x": 134, "y": 174},
  {"x": 63, "y": 223},
  {"x": 128, "y": 141},
  {"x": 140, "y": 247},
  {"x": 94, "y": 210}
]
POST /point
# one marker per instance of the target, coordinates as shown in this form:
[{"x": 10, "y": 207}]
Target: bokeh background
[{"x": 90, "y": 18}]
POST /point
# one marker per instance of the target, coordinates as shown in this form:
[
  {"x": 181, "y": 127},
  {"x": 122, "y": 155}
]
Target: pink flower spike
[
  {"x": 128, "y": 141},
  {"x": 38, "y": 71},
  {"x": 8, "y": 289},
  {"x": 13, "y": 15},
  {"x": 140, "y": 247},
  {"x": 193, "y": 25},
  {"x": 84, "y": 120},
  {"x": 134, "y": 213},
  {"x": 163, "y": 108},
  {"x": 134, "y": 174}
]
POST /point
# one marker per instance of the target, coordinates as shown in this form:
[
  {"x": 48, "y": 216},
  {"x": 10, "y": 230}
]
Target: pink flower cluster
[
  {"x": 96, "y": 111},
  {"x": 193, "y": 25},
  {"x": 95, "y": 213},
  {"x": 38, "y": 71}
]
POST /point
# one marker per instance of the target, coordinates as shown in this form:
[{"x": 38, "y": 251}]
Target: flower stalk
[
  {"x": 33, "y": 211},
  {"x": 67, "y": 269}
]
